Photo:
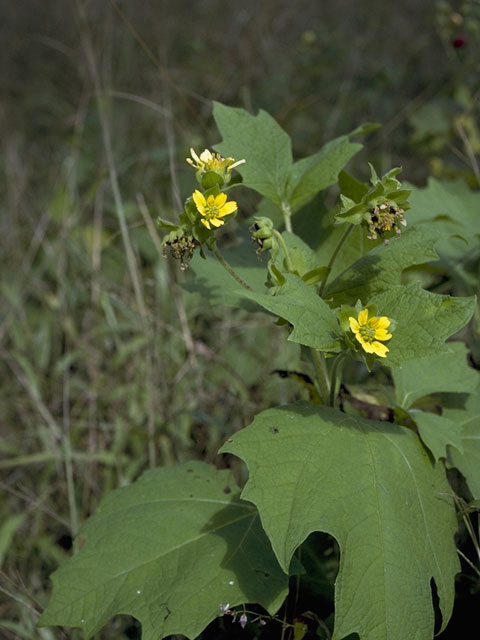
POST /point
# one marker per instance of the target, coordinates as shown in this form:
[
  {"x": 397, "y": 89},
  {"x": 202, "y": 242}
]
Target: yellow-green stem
[
  {"x": 333, "y": 378},
  {"x": 323, "y": 381},
  {"x": 334, "y": 256},
  {"x": 288, "y": 260},
  {"x": 228, "y": 268},
  {"x": 287, "y": 215}
]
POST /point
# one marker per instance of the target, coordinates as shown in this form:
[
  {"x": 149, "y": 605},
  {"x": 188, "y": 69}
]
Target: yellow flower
[
  {"x": 368, "y": 331},
  {"x": 209, "y": 161},
  {"x": 213, "y": 208}
]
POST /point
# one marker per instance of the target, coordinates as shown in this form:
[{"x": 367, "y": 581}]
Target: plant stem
[
  {"x": 333, "y": 380},
  {"x": 321, "y": 374},
  {"x": 226, "y": 266},
  {"x": 288, "y": 260},
  {"x": 334, "y": 255},
  {"x": 287, "y": 215}
]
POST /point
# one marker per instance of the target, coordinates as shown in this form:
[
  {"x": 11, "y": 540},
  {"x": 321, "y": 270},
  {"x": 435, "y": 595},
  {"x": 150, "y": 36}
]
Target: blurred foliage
[{"x": 101, "y": 381}]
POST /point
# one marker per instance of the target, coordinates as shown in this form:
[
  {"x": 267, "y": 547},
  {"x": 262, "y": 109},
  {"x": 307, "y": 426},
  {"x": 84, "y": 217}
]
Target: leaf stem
[
  {"x": 323, "y": 379},
  {"x": 288, "y": 260},
  {"x": 287, "y": 216},
  {"x": 333, "y": 379},
  {"x": 333, "y": 258},
  {"x": 226, "y": 266}
]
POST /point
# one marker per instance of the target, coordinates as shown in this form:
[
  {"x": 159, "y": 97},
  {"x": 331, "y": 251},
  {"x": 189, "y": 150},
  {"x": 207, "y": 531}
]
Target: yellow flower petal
[
  {"x": 353, "y": 324},
  {"x": 380, "y": 349},
  {"x": 228, "y": 207},
  {"x": 380, "y": 323},
  {"x": 210, "y": 201},
  {"x": 205, "y": 223},
  {"x": 363, "y": 316},
  {"x": 216, "y": 222},
  {"x": 382, "y": 334},
  {"x": 199, "y": 200},
  {"x": 220, "y": 200},
  {"x": 366, "y": 346}
]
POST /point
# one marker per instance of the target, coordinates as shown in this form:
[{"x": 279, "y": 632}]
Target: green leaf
[
  {"x": 424, "y": 321},
  {"x": 314, "y": 323},
  {"x": 468, "y": 461},
  {"x": 374, "y": 488},
  {"x": 437, "y": 432},
  {"x": 267, "y": 149},
  {"x": 453, "y": 199},
  {"x": 382, "y": 267},
  {"x": 442, "y": 372},
  {"x": 168, "y": 550},
  {"x": 320, "y": 170},
  {"x": 264, "y": 145}
]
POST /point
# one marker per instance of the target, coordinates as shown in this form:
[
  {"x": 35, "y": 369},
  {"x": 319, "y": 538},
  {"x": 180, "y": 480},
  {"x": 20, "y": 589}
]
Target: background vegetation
[{"x": 107, "y": 365}]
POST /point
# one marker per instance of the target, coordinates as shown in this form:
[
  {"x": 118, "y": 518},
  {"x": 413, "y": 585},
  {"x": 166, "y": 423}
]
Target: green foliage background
[{"x": 107, "y": 367}]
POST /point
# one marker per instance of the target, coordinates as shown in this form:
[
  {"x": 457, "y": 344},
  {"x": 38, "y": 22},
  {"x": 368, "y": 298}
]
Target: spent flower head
[
  {"x": 371, "y": 332},
  {"x": 181, "y": 245},
  {"x": 263, "y": 234},
  {"x": 380, "y": 208},
  {"x": 213, "y": 208}
]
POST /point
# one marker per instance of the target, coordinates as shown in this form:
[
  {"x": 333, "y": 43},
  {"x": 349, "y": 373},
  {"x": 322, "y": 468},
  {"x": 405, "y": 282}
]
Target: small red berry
[{"x": 459, "y": 42}]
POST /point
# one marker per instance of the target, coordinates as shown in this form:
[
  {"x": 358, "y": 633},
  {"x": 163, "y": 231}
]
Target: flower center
[
  {"x": 367, "y": 332},
  {"x": 212, "y": 211}
]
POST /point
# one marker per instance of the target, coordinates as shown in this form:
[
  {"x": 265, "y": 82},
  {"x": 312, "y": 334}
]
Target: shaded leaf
[
  {"x": 168, "y": 550},
  {"x": 468, "y": 461},
  {"x": 215, "y": 284},
  {"x": 453, "y": 199},
  {"x": 386, "y": 508},
  {"x": 442, "y": 372},
  {"x": 437, "y": 432}
]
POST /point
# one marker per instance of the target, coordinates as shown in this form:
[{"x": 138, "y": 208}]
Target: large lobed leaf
[
  {"x": 375, "y": 489},
  {"x": 267, "y": 149},
  {"x": 168, "y": 550}
]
